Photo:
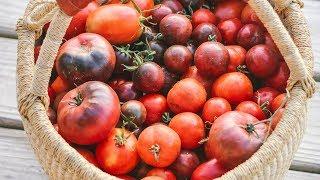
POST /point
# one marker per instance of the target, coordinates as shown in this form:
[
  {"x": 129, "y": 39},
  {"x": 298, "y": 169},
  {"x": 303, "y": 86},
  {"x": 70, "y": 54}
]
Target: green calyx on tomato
[
  {"x": 155, "y": 150},
  {"x": 166, "y": 117},
  {"x": 120, "y": 138}
]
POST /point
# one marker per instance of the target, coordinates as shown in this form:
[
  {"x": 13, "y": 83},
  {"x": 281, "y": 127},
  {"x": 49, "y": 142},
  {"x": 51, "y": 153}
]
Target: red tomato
[
  {"x": 187, "y": 95},
  {"x": 152, "y": 178},
  {"x": 52, "y": 115},
  {"x": 250, "y": 35},
  {"x": 59, "y": 85},
  {"x": 125, "y": 177},
  {"x": 156, "y": 105},
  {"x": 36, "y": 52},
  {"x": 194, "y": 74},
  {"x": 174, "y": 5},
  {"x": 58, "y": 99},
  {"x": 225, "y": 10},
  {"x": 276, "y": 118},
  {"x": 214, "y": 108},
  {"x": 52, "y": 94},
  {"x": 280, "y": 78},
  {"x": 71, "y": 7},
  {"x": 182, "y": 123},
  {"x": 178, "y": 58},
  {"x": 88, "y": 113},
  {"x": 204, "y": 32},
  {"x": 185, "y": 164},
  {"x": 248, "y": 16},
  {"x": 118, "y": 23},
  {"x": 209, "y": 170},
  {"x": 158, "y": 145},
  {"x": 235, "y": 136},
  {"x": 88, "y": 155},
  {"x": 252, "y": 108},
  {"x": 166, "y": 174},
  {"x": 235, "y": 87},
  {"x": 126, "y": 92},
  {"x": 229, "y": 30},
  {"x": 144, "y": 5},
  {"x": 277, "y": 102},
  {"x": 203, "y": 16},
  {"x": 237, "y": 57},
  {"x": 269, "y": 42},
  {"x": 169, "y": 80},
  {"x": 160, "y": 12},
  {"x": 265, "y": 96}
]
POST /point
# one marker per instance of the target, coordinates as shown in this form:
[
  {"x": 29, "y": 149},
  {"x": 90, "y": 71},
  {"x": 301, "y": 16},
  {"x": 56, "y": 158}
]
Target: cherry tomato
[
  {"x": 174, "y": 5},
  {"x": 252, "y": 108},
  {"x": 118, "y": 153},
  {"x": 52, "y": 115},
  {"x": 122, "y": 58},
  {"x": 58, "y": 86},
  {"x": 237, "y": 56},
  {"x": 276, "y": 118},
  {"x": 225, "y": 10},
  {"x": 214, "y": 108},
  {"x": 127, "y": 92},
  {"x": 159, "y": 49},
  {"x": 178, "y": 58},
  {"x": 185, "y": 164},
  {"x": 203, "y": 32},
  {"x": 250, "y": 35},
  {"x": 277, "y": 102},
  {"x": 203, "y": 16},
  {"x": 229, "y": 30},
  {"x": 194, "y": 74},
  {"x": 160, "y": 12},
  {"x": 169, "y": 80},
  {"x": 264, "y": 97},
  {"x": 166, "y": 174},
  {"x": 187, "y": 95},
  {"x": 88, "y": 155},
  {"x": 182, "y": 123},
  {"x": 209, "y": 170},
  {"x": 134, "y": 111},
  {"x": 156, "y": 105},
  {"x": 158, "y": 145},
  {"x": 280, "y": 78},
  {"x": 248, "y": 16}
]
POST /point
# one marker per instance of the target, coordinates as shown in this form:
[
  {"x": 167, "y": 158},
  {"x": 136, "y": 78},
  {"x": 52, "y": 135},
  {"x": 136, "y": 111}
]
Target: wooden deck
[{"x": 17, "y": 160}]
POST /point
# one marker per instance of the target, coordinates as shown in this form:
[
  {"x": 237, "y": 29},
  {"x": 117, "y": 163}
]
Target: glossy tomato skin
[
  {"x": 52, "y": 94},
  {"x": 118, "y": 153},
  {"x": 58, "y": 86},
  {"x": 230, "y": 143},
  {"x": 160, "y": 12},
  {"x": 187, "y": 95},
  {"x": 88, "y": 155},
  {"x": 121, "y": 60},
  {"x": 277, "y": 102},
  {"x": 176, "y": 29},
  {"x": 166, "y": 174},
  {"x": 276, "y": 118},
  {"x": 248, "y": 16},
  {"x": 158, "y": 145},
  {"x": 209, "y": 170},
  {"x": 226, "y": 84},
  {"x": 203, "y": 31},
  {"x": 269, "y": 42},
  {"x": 134, "y": 109},
  {"x": 149, "y": 77},
  {"x": 262, "y": 61},
  {"x": 185, "y": 164},
  {"x": 229, "y": 30},
  {"x": 169, "y": 80},
  {"x": 214, "y": 108},
  {"x": 203, "y": 16},
  {"x": 178, "y": 59},
  {"x": 280, "y": 78},
  {"x": 88, "y": 113},
  {"x": 127, "y": 92},
  {"x": 225, "y": 10},
  {"x": 152, "y": 178},
  {"x": 127, "y": 29},
  {"x": 211, "y": 59},
  {"x": 252, "y": 108},
  {"x": 250, "y": 35},
  {"x": 58, "y": 99},
  {"x": 159, "y": 47},
  {"x": 156, "y": 105},
  {"x": 182, "y": 123},
  {"x": 193, "y": 73},
  {"x": 174, "y": 5},
  {"x": 237, "y": 56},
  {"x": 265, "y": 96},
  {"x": 86, "y": 57}
]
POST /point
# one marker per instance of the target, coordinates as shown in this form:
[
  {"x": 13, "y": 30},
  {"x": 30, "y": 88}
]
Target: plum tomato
[
  {"x": 58, "y": 99},
  {"x": 176, "y": 29},
  {"x": 87, "y": 57},
  {"x": 159, "y": 48},
  {"x": 235, "y": 136},
  {"x": 194, "y": 4},
  {"x": 182, "y": 123},
  {"x": 250, "y": 35},
  {"x": 229, "y": 30},
  {"x": 133, "y": 112},
  {"x": 203, "y": 16},
  {"x": 52, "y": 115},
  {"x": 118, "y": 23},
  {"x": 169, "y": 80},
  {"x": 166, "y": 174},
  {"x": 276, "y": 118},
  {"x": 185, "y": 164},
  {"x": 264, "y": 97},
  {"x": 212, "y": 59},
  {"x": 187, "y": 95},
  {"x": 280, "y": 78},
  {"x": 194, "y": 74},
  {"x": 277, "y": 102},
  {"x": 159, "y": 12},
  {"x": 59, "y": 85},
  {"x": 225, "y": 10},
  {"x": 178, "y": 59},
  {"x": 214, "y": 108},
  {"x": 88, "y": 155},
  {"x": 209, "y": 170},
  {"x": 174, "y": 5},
  {"x": 252, "y": 108},
  {"x": 87, "y": 114},
  {"x": 127, "y": 91},
  {"x": 237, "y": 56},
  {"x": 206, "y": 32},
  {"x": 118, "y": 153},
  {"x": 262, "y": 61},
  {"x": 235, "y": 87},
  {"x": 158, "y": 145},
  {"x": 248, "y": 16},
  {"x": 156, "y": 105},
  {"x": 149, "y": 77}
]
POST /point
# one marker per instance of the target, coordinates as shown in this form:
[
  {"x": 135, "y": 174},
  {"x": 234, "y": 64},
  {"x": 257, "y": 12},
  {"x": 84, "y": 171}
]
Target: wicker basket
[{"x": 282, "y": 18}]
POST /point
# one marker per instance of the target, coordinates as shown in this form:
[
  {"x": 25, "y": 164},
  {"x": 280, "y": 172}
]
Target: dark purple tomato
[
  {"x": 141, "y": 170},
  {"x": 229, "y": 30},
  {"x": 160, "y": 12},
  {"x": 159, "y": 49},
  {"x": 250, "y": 35},
  {"x": 122, "y": 59},
  {"x": 134, "y": 111},
  {"x": 191, "y": 46},
  {"x": 178, "y": 58},
  {"x": 203, "y": 32},
  {"x": 127, "y": 92},
  {"x": 149, "y": 34},
  {"x": 195, "y": 4},
  {"x": 169, "y": 80},
  {"x": 280, "y": 78},
  {"x": 174, "y": 5},
  {"x": 185, "y": 164}
]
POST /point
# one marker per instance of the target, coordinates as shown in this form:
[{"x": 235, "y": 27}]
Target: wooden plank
[{"x": 297, "y": 175}]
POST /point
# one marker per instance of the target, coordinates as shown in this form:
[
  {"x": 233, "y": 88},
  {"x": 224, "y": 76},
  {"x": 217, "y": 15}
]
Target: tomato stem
[
  {"x": 212, "y": 38},
  {"x": 166, "y": 117},
  {"x": 208, "y": 124},
  {"x": 202, "y": 141},
  {"x": 243, "y": 69},
  {"x": 136, "y": 6},
  {"x": 78, "y": 99},
  {"x": 155, "y": 150},
  {"x": 120, "y": 138}
]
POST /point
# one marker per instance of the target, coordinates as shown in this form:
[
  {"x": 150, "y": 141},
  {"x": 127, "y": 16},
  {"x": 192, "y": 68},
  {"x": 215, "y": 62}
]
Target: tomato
[
  {"x": 262, "y": 61},
  {"x": 237, "y": 56},
  {"x": 195, "y": 4},
  {"x": 248, "y": 16},
  {"x": 58, "y": 99},
  {"x": 277, "y": 102},
  {"x": 235, "y": 136},
  {"x": 204, "y": 32},
  {"x": 125, "y": 177},
  {"x": 191, "y": 46},
  {"x": 176, "y": 29},
  {"x": 59, "y": 85},
  {"x": 185, "y": 164},
  {"x": 182, "y": 123},
  {"x": 209, "y": 170},
  {"x": 118, "y": 153},
  {"x": 52, "y": 115},
  {"x": 269, "y": 42},
  {"x": 250, "y": 35},
  {"x": 158, "y": 145},
  {"x": 225, "y": 10},
  {"x": 194, "y": 74},
  {"x": 36, "y": 52},
  {"x": 211, "y": 59},
  {"x": 134, "y": 111},
  {"x": 264, "y": 97},
  {"x": 203, "y": 16},
  {"x": 88, "y": 113},
  {"x": 156, "y": 105},
  {"x": 126, "y": 91},
  {"x": 235, "y": 87},
  {"x": 178, "y": 58},
  {"x": 166, "y": 174},
  {"x": 169, "y": 80},
  {"x": 214, "y": 108},
  {"x": 152, "y": 178},
  {"x": 141, "y": 170},
  {"x": 52, "y": 94},
  {"x": 122, "y": 59},
  {"x": 149, "y": 77},
  {"x": 144, "y": 5},
  {"x": 118, "y": 23},
  {"x": 280, "y": 78},
  {"x": 88, "y": 155},
  {"x": 187, "y": 95},
  {"x": 174, "y": 5},
  {"x": 116, "y": 82},
  {"x": 160, "y": 12},
  {"x": 159, "y": 49},
  {"x": 276, "y": 118},
  {"x": 252, "y": 108},
  {"x": 229, "y": 30},
  {"x": 86, "y": 57}
]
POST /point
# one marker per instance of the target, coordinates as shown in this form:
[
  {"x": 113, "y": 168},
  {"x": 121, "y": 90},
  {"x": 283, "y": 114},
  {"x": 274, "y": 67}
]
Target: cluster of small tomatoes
[{"x": 175, "y": 89}]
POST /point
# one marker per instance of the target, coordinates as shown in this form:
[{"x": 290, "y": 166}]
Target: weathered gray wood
[{"x": 297, "y": 175}]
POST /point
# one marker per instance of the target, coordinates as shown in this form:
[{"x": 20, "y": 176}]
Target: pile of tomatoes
[{"x": 172, "y": 89}]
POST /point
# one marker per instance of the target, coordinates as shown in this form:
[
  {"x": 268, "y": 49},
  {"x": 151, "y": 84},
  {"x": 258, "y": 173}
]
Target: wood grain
[{"x": 297, "y": 175}]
